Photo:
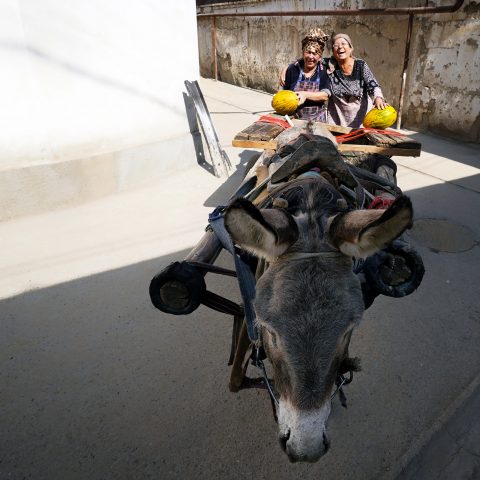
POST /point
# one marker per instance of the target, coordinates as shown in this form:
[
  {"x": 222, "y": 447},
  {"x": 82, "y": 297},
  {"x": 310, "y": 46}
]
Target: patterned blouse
[{"x": 352, "y": 95}]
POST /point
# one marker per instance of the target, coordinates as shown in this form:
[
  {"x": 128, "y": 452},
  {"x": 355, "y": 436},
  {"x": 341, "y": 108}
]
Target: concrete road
[{"x": 97, "y": 384}]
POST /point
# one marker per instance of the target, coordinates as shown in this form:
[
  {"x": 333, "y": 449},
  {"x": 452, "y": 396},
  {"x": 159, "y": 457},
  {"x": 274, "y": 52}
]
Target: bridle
[
  {"x": 258, "y": 351},
  {"x": 247, "y": 281},
  {"x": 257, "y": 357},
  {"x": 288, "y": 257}
]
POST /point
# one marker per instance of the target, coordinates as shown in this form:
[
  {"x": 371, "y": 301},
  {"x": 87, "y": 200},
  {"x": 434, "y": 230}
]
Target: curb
[{"x": 425, "y": 437}]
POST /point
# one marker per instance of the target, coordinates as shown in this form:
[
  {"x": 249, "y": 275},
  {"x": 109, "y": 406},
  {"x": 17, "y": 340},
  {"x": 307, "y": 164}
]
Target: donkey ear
[
  {"x": 361, "y": 233},
  {"x": 267, "y": 233}
]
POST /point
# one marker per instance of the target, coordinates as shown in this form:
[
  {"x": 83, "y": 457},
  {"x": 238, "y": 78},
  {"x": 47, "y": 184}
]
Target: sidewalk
[{"x": 420, "y": 382}]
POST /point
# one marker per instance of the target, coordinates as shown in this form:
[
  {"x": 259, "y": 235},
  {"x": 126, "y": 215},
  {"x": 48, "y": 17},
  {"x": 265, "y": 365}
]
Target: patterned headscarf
[{"x": 315, "y": 39}]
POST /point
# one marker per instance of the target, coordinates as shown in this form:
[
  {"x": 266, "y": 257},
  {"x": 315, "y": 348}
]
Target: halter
[
  {"x": 258, "y": 351},
  {"x": 247, "y": 280},
  {"x": 292, "y": 256}
]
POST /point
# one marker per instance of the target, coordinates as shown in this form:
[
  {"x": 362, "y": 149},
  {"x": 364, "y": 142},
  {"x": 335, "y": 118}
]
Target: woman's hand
[
  {"x": 301, "y": 96},
  {"x": 380, "y": 103}
]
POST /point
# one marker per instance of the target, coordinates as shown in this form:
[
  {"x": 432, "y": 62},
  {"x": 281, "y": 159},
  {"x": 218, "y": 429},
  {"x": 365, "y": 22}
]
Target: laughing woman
[
  {"x": 355, "y": 91},
  {"x": 308, "y": 78}
]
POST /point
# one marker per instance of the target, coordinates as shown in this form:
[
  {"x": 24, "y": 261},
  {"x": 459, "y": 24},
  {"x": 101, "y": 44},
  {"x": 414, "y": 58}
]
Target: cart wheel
[
  {"x": 178, "y": 289},
  {"x": 395, "y": 271}
]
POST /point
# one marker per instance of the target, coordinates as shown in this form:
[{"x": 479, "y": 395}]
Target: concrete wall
[
  {"x": 92, "y": 98},
  {"x": 443, "y": 83}
]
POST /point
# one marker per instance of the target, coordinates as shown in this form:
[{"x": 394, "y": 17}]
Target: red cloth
[
  {"x": 275, "y": 120},
  {"x": 379, "y": 203}
]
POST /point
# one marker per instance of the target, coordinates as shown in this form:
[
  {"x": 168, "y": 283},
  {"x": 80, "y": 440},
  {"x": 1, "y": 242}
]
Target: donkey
[{"x": 308, "y": 299}]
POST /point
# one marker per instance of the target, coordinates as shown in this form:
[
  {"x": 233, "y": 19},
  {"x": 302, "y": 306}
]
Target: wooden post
[{"x": 404, "y": 72}]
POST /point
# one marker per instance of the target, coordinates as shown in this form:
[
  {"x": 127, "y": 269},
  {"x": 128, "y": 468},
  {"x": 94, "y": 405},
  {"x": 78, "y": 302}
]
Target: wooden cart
[{"x": 388, "y": 142}]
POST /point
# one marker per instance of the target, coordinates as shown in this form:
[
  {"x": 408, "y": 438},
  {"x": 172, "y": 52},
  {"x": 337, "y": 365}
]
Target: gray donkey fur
[{"x": 307, "y": 307}]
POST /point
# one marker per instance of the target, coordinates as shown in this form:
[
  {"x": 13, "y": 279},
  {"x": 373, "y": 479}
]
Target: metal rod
[
  {"x": 354, "y": 11},
  {"x": 404, "y": 72},
  {"x": 214, "y": 48},
  {"x": 206, "y": 250}
]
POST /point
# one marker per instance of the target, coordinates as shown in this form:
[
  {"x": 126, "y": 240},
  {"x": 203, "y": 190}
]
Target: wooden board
[
  {"x": 262, "y": 135},
  {"x": 327, "y": 126},
  {"x": 399, "y": 152},
  {"x": 270, "y": 145},
  {"x": 259, "y": 132},
  {"x": 394, "y": 140}
]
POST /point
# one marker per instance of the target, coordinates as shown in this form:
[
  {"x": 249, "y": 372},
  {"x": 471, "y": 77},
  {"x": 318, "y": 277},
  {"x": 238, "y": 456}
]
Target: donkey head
[{"x": 306, "y": 308}]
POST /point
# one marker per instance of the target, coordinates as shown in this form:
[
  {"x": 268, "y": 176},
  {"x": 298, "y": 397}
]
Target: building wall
[
  {"x": 442, "y": 90},
  {"x": 444, "y": 81},
  {"x": 92, "y": 98}
]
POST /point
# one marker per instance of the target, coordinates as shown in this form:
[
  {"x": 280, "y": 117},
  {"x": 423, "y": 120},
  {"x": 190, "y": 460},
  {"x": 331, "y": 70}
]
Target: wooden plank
[
  {"x": 273, "y": 131},
  {"x": 401, "y": 152},
  {"x": 246, "y": 132},
  {"x": 270, "y": 145},
  {"x": 386, "y": 140},
  {"x": 336, "y": 128},
  {"x": 257, "y": 134},
  {"x": 328, "y": 126},
  {"x": 262, "y": 135},
  {"x": 265, "y": 132},
  {"x": 260, "y": 131}
]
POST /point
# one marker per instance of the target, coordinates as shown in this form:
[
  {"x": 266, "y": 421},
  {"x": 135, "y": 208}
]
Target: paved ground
[{"x": 98, "y": 384}]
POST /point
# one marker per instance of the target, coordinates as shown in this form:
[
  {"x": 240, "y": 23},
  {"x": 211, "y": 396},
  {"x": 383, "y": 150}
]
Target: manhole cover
[{"x": 442, "y": 236}]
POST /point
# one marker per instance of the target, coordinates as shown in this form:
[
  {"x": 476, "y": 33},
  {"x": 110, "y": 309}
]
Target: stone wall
[{"x": 443, "y": 84}]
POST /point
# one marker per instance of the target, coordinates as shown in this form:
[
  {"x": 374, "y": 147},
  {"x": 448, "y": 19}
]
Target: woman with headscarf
[
  {"x": 355, "y": 91},
  {"x": 308, "y": 78}
]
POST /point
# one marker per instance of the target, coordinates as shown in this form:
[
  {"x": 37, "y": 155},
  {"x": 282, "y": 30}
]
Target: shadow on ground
[{"x": 98, "y": 384}]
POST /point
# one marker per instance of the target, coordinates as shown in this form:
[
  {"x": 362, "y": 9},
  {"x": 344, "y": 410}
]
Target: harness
[
  {"x": 247, "y": 282},
  {"x": 180, "y": 288},
  {"x": 258, "y": 352}
]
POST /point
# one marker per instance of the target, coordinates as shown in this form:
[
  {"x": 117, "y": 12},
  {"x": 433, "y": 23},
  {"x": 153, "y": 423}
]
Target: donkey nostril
[
  {"x": 326, "y": 442},
  {"x": 284, "y": 439}
]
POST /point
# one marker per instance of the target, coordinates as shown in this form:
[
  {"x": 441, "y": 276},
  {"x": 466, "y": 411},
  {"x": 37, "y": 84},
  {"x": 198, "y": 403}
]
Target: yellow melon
[
  {"x": 285, "y": 102},
  {"x": 381, "y": 119}
]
